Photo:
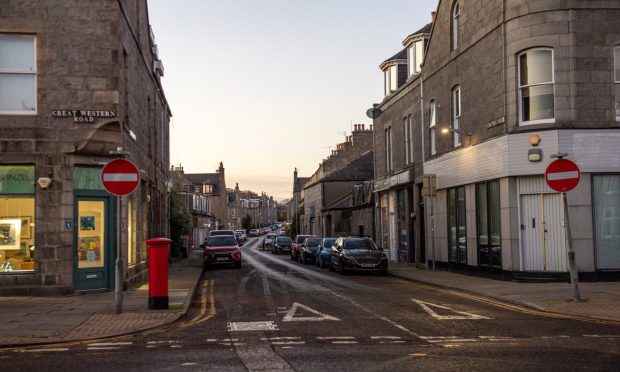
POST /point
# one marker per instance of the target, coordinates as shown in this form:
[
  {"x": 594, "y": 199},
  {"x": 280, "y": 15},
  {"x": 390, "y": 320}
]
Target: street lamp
[{"x": 453, "y": 130}]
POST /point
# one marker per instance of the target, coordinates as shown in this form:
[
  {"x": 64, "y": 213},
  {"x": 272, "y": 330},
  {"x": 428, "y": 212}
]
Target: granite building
[
  {"x": 78, "y": 80},
  {"x": 502, "y": 86}
]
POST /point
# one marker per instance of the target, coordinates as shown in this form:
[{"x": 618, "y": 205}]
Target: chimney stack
[{"x": 433, "y": 16}]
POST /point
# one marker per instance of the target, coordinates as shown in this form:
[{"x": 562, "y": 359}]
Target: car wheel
[
  {"x": 341, "y": 269},
  {"x": 205, "y": 266},
  {"x": 383, "y": 272},
  {"x": 331, "y": 267},
  {"x": 238, "y": 265}
]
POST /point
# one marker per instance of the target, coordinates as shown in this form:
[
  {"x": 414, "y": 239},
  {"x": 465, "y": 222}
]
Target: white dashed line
[
  {"x": 336, "y": 338},
  {"x": 345, "y": 342},
  {"x": 385, "y": 337},
  {"x": 104, "y": 348},
  {"x": 277, "y": 343},
  {"x": 44, "y": 350},
  {"x": 110, "y": 344}
]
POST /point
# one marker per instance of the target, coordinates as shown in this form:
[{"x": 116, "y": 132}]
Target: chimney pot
[{"x": 363, "y": 126}]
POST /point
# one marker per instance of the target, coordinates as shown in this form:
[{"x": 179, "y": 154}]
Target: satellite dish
[{"x": 372, "y": 113}]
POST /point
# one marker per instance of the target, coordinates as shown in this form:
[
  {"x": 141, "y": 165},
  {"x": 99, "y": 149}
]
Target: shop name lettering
[
  {"x": 15, "y": 178},
  {"x": 83, "y": 116}
]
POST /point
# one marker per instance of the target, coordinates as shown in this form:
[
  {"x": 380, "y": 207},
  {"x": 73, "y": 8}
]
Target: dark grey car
[
  {"x": 282, "y": 244},
  {"x": 357, "y": 254}
]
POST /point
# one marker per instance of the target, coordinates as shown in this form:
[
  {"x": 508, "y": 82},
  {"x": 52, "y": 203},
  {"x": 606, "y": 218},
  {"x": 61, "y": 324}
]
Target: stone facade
[
  {"x": 96, "y": 56},
  {"x": 486, "y": 147}
]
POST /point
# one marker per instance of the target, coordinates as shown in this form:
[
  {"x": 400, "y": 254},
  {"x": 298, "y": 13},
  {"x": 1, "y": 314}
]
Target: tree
[
  {"x": 246, "y": 222},
  {"x": 180, "y": 223}
]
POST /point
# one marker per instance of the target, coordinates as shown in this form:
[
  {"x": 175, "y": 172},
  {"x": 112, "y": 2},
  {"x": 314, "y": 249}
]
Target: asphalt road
[{"x": 275, "y": 314}]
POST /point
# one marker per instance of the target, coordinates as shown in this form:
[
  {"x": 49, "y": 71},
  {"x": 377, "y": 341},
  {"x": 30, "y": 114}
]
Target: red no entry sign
[
  {"x": 562, "y": 175},
  {"x": 120, "y": 177}
]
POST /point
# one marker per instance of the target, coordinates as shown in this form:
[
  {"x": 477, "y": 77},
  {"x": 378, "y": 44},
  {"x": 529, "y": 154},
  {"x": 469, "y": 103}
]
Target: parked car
[
  {"x": 357, "y": 254},
  {"x": 295, "y": 249},
  {"x": 309, "y": 249},
  {"x": 243, "y": 235},
  {"x": 221, "y": 232},
  {"x": 254, "y": 232},
  {"x": 268, "y": 240},
  {"x": 282, "y": 244},
  {"x": 221, "y": 249},
  {"x": 322, "y": 257}
]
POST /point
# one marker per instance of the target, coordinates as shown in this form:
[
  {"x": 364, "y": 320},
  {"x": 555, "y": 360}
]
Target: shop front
[{"x": 17, "y": 219}]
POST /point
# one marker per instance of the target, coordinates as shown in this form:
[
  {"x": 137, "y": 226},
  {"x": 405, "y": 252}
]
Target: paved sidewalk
[
  {"x": 600, "y": 300},
  {"x": 41, "y": 320}
]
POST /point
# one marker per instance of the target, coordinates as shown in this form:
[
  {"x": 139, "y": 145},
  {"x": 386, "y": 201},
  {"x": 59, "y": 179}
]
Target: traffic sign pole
[
  {"x": 563, "y": 175},
  {"x": 119, "y": 177}
]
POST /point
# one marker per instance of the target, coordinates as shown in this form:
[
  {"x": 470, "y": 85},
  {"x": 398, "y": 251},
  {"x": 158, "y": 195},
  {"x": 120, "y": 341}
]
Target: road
[{"x": 275, "y": 314}]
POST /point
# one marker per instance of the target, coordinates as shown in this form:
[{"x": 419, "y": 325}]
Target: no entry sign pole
[
  {"x": 119, "y": 177},
  {"x": 563, "y": 175}
]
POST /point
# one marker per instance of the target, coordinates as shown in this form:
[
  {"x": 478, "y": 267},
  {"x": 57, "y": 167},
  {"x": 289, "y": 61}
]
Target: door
[
  {"x": 94, "y": 244},
  {"x": 542, "y": 234}
]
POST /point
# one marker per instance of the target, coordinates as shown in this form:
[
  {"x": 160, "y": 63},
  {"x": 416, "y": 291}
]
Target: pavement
[{"x": 89, "y": 316}]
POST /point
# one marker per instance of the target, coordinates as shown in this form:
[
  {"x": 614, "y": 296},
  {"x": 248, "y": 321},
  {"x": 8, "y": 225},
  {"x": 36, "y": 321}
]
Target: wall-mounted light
[
  {"x": 452, "y": 130},
  {"x": 44, "y": 182}
]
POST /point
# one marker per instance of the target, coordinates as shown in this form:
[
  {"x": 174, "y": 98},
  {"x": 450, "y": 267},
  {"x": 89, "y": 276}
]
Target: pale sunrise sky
[{"x": 269, "y": 85}]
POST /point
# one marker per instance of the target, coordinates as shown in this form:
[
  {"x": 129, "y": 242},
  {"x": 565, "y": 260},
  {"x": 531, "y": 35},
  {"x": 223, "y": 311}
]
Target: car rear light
[{"x": 236, "y": 256}]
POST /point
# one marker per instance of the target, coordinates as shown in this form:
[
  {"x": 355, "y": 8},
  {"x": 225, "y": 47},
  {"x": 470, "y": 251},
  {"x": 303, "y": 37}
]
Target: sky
[{"x": 267, "y": 86}]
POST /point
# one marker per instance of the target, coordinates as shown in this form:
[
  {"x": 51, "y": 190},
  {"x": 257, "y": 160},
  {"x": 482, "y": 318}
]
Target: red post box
[{"x": 158, "y": 272}]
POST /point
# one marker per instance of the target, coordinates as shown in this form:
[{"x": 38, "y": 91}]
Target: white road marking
[
  {"x": 426, "y": 306},
  {"x": 364, "y": 308},
  {"x": 189, "y": 364},
  {"x": 336, "y": 338},
  {"x": 605, "y": 336},
  {"x": 163, "y": 342},
  {"x": 252, "y": 326},
  {"x": 385, "y": 337},
  {"x": 279, "y": 338},
  {"x": 58, "y": 349},
  {"x": 104, "y": 348},
  {"x": 345, "y": 342},
  {"x": 110, "y": 344},
  {"x": 288, "y": 342},
  {"x": 290, "y": 315}
]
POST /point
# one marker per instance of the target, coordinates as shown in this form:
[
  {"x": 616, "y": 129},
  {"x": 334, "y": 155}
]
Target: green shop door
[{"x": 94, "y": 243}]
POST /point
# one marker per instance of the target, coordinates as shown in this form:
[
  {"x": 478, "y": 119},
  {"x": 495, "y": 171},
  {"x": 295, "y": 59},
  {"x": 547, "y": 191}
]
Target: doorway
[
  {"x": 542, "y": 233},
  {"x": 94, "y": 243}
]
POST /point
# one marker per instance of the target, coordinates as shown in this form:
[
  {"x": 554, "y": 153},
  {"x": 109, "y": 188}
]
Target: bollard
[{"x": 158, "y": 272}]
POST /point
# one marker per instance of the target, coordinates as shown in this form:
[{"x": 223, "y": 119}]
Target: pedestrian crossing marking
[
  {"x": 427, "y": 306},
  {"x": 290, "y": 314}
]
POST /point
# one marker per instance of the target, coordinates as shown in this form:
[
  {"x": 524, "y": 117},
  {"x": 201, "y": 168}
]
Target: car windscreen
[
  {"x": 221, "y": 241},
  {"x": 300, "y": 239},
  {"x": 221, "y": 232},
  {"x": 360, "y": 244},
  {"x": 286, "y": 240},
  {"x": 327, "y": 243},
  {"x": 313, "y": 242}
]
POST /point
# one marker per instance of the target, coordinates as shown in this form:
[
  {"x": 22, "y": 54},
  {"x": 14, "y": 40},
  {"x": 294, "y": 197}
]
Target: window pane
[
  {"x": 17, "y": 92},
  {"x": 617, "y": 64},
  {"x": 411, "y": 61},
  {"x": 495, "y": 224},
  {"x": 456, "y": 94},
  {"x": 432, "y": 115},
  {"x": 433, "y": 146},
  {"x": 536, "y": 67},
  {"x": 387, "y": 81},
  {"x": 17, "y": 247},
  {"x": 419, "y": 53},
  {"x": 606, "y": 190},
  {"x": 452, "y": 239},
  {"x": 91, "y": 242},
  {"x": 537, "y": 102},
  {"x": 393, "y": 78},
  {"x": 17, "y": 53},
  {"x": 617, "y": 101},
  {"x": 483, "y": 224},
  {"x": 462, "y": 233}
]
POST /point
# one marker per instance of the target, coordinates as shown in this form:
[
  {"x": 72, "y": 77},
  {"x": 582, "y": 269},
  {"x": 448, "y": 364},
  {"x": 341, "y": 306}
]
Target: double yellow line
[
  {"x": 207, "y": 304},
  {"x": 511, "y": 307}
]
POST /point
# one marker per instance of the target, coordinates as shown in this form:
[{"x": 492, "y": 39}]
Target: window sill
[
  {"x": 18, "y": 113},
  {"x": 534, "y": 122}
]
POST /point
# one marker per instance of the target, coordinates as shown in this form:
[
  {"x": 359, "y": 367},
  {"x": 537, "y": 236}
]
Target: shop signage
[
  {"x": 83, "y": 116},
  {"x": 395, "y": 180},
  {"x": 17, "y": 179}
]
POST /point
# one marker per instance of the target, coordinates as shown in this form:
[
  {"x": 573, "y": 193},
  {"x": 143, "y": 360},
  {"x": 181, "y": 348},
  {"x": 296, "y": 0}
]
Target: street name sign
[
  {"x": 120, "y": 177},
  {"x": 562, "y": 175}
]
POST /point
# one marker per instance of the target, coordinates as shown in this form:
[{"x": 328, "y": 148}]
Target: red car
[
  {"x": 222, "y": 249},
  {"x": 296, "y": 248}
]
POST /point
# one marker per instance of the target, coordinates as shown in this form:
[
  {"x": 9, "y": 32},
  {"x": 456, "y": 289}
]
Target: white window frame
[
  {"x": 411, "y": 160},
  {"x": 521, "y": 87},
  {"x": 432, "y": 107},
  {"x": 25, "y": 72},
  {"x": 407, "y": 134},
  {"x": 456, "y": 116},
  {"x": 617, "y": 81},
  {"x": 415, "y": 54},
  {"x": 391, "y": 79},
  {"x": 456, "y": 14}
]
